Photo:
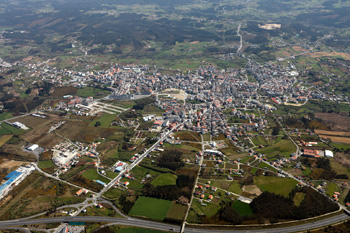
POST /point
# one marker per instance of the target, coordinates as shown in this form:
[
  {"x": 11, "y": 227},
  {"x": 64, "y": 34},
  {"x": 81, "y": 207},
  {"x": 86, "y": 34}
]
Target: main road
[{"x": 168, "y": 227}]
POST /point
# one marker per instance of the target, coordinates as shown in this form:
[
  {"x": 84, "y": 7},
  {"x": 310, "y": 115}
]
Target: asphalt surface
[{"x": 169, "y": 227}]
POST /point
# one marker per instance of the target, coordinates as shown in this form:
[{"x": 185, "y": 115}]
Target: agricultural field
[
  {"x": 105, "y": 120},
  {"x": 91, "y": 174},
  {"x": 283, "y": 147},
  {"x": 91, "y": 91},
  {"x": 151, "y": 208},
  {"x": 277, "y": 185},
  {"x": 164, "y": 179},
  {"x": 176, "y": 212}
]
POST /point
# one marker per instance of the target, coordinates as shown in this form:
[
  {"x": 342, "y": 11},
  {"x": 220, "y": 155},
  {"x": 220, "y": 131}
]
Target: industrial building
[{"x": 14, "y": 178}]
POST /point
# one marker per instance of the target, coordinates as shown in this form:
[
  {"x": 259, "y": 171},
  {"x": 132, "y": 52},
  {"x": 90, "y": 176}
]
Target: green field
[
  {"x": 9, "y": 129},
  {"x": 242, "y": 208},
  {"x": 151, "y": 208},
  {"x": 90, "y": 91},
  {"x": 46, "y": 164},
  {"x": 5, "y": 115},
  {"x": 165, "y": 179},
  {"x": 105, "y": 120},
  {"x": 283, "y": 147},
  {"x": 277, "y": 185},
  {"x": 331, "y": 188},
  {"x": 92, "y": 174}
]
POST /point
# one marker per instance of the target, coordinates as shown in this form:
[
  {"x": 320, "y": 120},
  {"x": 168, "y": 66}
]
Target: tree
[
  {"x": 275, "y": 130},
  {"x": 97, "y": 124}
]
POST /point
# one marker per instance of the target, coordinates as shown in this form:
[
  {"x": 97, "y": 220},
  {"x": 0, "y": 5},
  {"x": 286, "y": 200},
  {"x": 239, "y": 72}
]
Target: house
[{"x": 182, "y": 200}]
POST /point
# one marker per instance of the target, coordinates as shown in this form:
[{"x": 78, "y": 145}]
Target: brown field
[
  {"x": 332, "y": 133},
  {"x": 252, "y": 189},
  {"x": 39, "y": 133},
  {"x": 61, "y": 91},
  {"x": 33, "y": 122},
  {"x": 299, "y": 49},
  {"x": 342, "y": 158},
  {"x": 337, "y": 139},
  {"x": 332, "y": 54},
  {"x": 4, "y": 139},
  {"x": 81, "y": 131},
  {"x": 336, "y": 122},
  {"x": 11, "y": 164},
  {"x": 15, "y": 152}
]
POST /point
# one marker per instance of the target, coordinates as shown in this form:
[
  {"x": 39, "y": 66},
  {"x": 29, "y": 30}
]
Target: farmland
[
  {"x": 151, "y": 208},
  {"x": 164, "y": 179},
  {"x": 277, "y": 185}
]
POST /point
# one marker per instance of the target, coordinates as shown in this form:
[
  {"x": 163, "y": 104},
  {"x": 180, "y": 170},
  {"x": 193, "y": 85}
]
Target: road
[
  {"x": 241, "y": 39},
  {"x": 169, "y": 227},
  {"x": 136, "y": 162}
]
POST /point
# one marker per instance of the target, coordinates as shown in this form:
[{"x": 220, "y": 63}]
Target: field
[
  {"x": 5, "y": 115},
  {"x": 81, "y": 131},
  {"x": 92, "y": 174},
  {"x": 188, "y": 136},
  {"x": 232, "y": 186},
  {"x": 277, "y": 185},
  {"x": 105, "y": 120},
  {"x": 9, "y": 129},
  {"x": 332, "y": 133},
  {"x": 331, "y": 188},
  {"x": 46, "y": 164},
  {"x": 151, "y": 208},
  {"x": 90, "y": 91},
  {"x": 283, "y": 147},
  {"x": 337, "y": 139},
  {"x": 242, "y": 208},
  {"x": 4, "y": 139},
  {"x": 176, "y": 212},
  {"x": 164, "y": 179}
]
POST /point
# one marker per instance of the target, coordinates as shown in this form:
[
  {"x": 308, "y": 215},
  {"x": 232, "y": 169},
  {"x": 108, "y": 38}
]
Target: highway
[{"x": 168, "y": 227}]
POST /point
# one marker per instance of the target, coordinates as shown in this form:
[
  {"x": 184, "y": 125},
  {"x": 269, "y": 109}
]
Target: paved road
[{"x": 167, "y": 227}]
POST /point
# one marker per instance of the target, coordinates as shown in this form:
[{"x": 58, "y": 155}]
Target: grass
[
  {"x": 331, "y": 188},
  {"x": 165, "y": 179},
  {"x": 151, "y": 208},
  {"x": 4, "y": 139},
  {"x": 298, "y": 198},
  {"x": 9, "y": 129},
  {"x": 105, "y": 120},
  {"x": 5, "y": 115},
  {"x": 242, "y": 208},
  {"x": 90, "y": 91},
  {"x": 283, "y": 147},
  {"x": 277, "y": 185},
  {"x": 46, "y": 164},
  {"x": 176, "y": 212},
  {"x": 92, "y": 174}
]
